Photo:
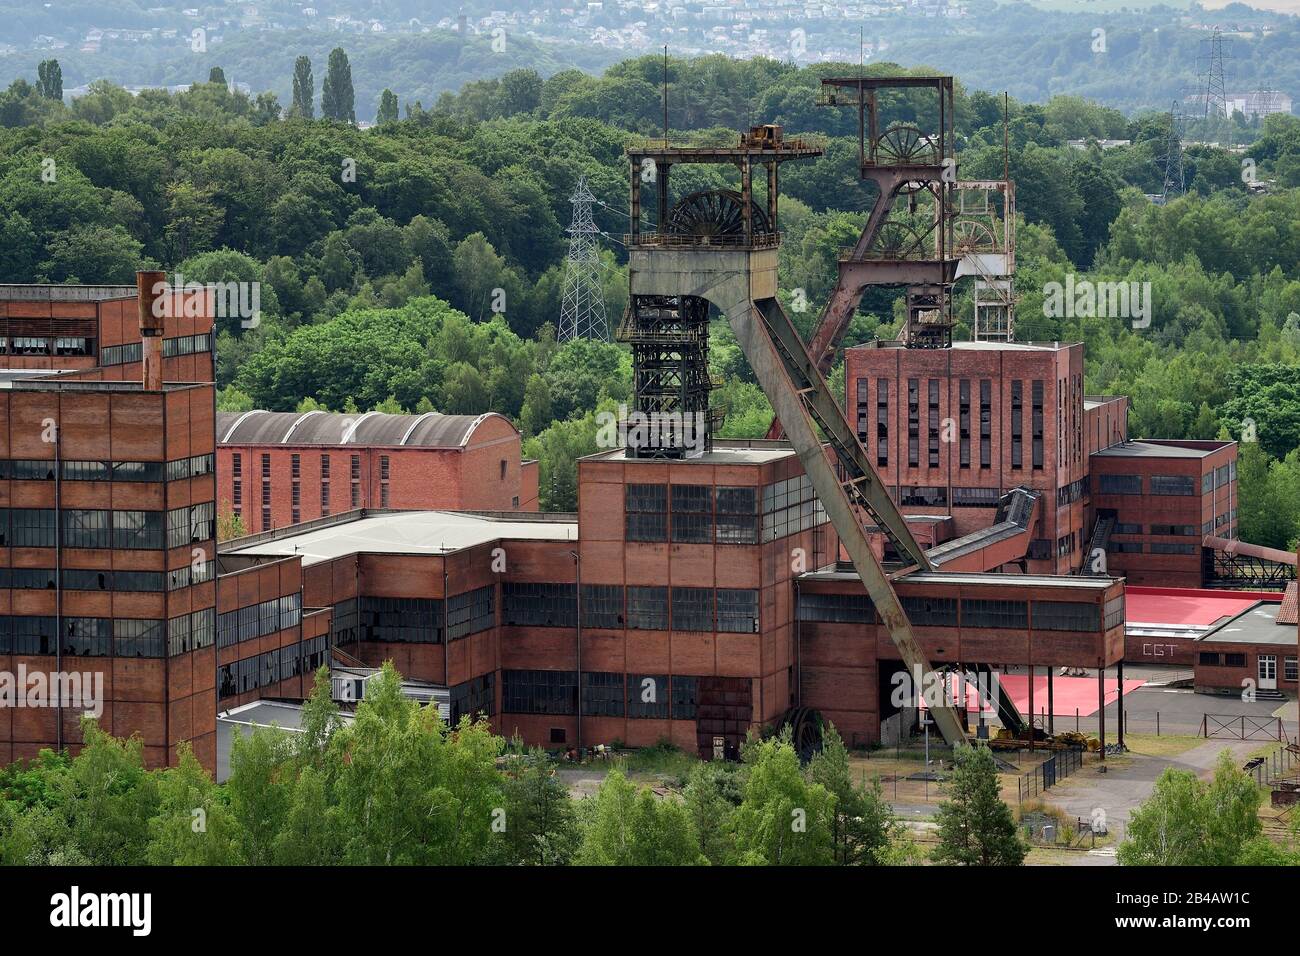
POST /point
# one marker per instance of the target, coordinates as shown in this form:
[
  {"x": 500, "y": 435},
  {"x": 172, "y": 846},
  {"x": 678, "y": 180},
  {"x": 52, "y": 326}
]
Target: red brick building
[
  {"x": 96, "y": 330},
  {"x": 690, "y": 600},
  {"x": 951, "y": 430},
  {"x": 1165, "y": 498},
  {"x": 282, "y": 468},
  {"x": 108, "y": 522},
  {"x": 1253, "y": 653},
  {"x": 689, "y": 607}
]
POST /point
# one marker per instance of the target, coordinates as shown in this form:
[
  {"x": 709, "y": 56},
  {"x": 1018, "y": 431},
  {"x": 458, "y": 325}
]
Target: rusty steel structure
[
  {"x": 984, "y": 236},
  {"x": 669, "y": 335},
  {"x": 719, "y": 250},
  {"x": 913, "y": 246}
]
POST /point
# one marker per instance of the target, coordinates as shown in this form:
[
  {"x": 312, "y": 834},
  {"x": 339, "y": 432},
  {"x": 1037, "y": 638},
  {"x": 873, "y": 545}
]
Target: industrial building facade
[
  {"x": 951, "y": 430},
  {"x": 683, "y": 601},
  {"x": 109, "y": 519},
  {"x": 691, "y": 599}
]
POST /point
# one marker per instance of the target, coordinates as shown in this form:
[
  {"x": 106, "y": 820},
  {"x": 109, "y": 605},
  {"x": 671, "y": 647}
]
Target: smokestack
[{"x": 150, "y": 288}]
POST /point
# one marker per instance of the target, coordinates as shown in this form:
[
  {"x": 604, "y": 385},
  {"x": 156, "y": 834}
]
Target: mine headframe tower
[
  {"x": 718, "y": 247},
  {"x": 984, "y": 238},
  {"x": 910, "y": 158}
]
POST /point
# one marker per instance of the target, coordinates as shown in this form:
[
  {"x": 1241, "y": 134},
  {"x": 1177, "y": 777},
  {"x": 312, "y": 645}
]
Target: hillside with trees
[{"x": 418, "y": 264}]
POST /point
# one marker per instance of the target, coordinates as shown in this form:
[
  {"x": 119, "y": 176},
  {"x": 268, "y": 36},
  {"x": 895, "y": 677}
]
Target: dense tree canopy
[{"x": 395, "y": 785}]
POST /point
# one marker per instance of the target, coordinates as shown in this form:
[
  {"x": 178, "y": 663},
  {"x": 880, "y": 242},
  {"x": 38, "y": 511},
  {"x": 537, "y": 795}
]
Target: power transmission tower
[
  {"x": 582, "y": 305},
  {"x": 1172, "y": 161},
  {"x": 1214, "y": 88}
]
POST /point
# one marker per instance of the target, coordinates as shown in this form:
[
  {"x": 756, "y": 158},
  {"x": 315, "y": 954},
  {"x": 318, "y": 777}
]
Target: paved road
[{"x": 1122, "y": 788}]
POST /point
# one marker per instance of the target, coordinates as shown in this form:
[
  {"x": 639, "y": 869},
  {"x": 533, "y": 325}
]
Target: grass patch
[
  {"x": 1149, "y": 745},
  {"x": 662, "y": 760}
]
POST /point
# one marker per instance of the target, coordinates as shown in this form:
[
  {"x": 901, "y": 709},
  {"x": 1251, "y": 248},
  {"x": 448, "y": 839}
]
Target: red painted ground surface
[{"x": 1067, "y": 693}]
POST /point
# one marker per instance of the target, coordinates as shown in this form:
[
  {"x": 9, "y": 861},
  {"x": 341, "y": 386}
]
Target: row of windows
[
  {"x": 471, "y": 612},
  {"x": 943, "y": 612},
  {"x": 284, "y": 663},
  {"x": 188, "y": 525},
  {"x": 46, "y": 345},
  {"x": 82, "y": 636},
  {"x": 187, "y": 345},
  {"x": 1219, "y": 477},
  {"x": 412, "y": 620},
  {"x": 919, "y": 496},
  {"x": 180, "y": 345},
  {"x": 1211, "y": 527},
  {"x": 975, "y": 497},
  {"x": 1156, "y": 484},
  {"x": 190, "y": 632},
  {"x": 837, "y": 608},
  {"x": 1072, "y": 492},
  {"x": 1155, "y": 547},
  {"x": 539, "y": 605},
  {"x": 789, "y": 507},
  {"x": 701, "y": 514},
  {"x": 603, "y": 694},
  {"x": 123, "y": 530},
  {"x": 191, "y": 467},
  {"x": 729, "y": 610},
  {"x": 258, "y": 620},
  {"x": 1175, "y": 530},
  {"x": 94, "y": 579},
  {"x": 1211, "y": 659},
  {"x": 42, "y": 469},
  {"x": 1290, "y": 665},
  {"x": 401, "y": 620},
  {"x": 1120, "y": 484},
  {"x": 963, "y": 422},
  {"x": 474, "y": 697},
  {"x": 1113, "y": 613},
  {"x": 1065, "y": 544}
]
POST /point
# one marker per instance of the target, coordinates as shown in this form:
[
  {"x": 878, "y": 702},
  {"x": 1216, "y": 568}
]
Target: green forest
[{"x": 418, "y": 264}]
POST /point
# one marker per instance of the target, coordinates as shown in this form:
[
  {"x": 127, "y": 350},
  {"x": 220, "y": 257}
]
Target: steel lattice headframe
[{"x": 582, "y": 305}]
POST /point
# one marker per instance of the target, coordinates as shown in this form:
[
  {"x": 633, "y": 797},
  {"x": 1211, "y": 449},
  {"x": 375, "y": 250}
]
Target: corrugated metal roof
[{"x": 430, "y": 430}]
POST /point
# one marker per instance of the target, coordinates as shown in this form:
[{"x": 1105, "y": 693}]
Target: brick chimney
[{"x": 150, "y": 288}]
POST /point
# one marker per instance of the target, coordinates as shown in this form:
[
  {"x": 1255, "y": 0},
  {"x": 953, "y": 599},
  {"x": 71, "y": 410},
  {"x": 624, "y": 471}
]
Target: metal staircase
[{"x": 1101, "y": 532}]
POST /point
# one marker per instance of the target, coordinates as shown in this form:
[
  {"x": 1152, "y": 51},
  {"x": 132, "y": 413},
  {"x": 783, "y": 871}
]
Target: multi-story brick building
[
  {"x": 107, "y": 534},
  {"x": 282, "y": 468},
  {"x": 682, "y": 602},
  {"x": 951, "y": 430},
  {"x": 691, "y": 600},
  {"x": 1167, "y": 501}
]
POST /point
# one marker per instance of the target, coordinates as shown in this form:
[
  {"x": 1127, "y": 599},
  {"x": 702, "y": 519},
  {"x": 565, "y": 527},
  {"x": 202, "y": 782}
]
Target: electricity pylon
[{"x": 582, "y": 305}]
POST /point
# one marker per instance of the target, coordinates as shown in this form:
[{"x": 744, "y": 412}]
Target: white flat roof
[{"x": 406, "y": 532}]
